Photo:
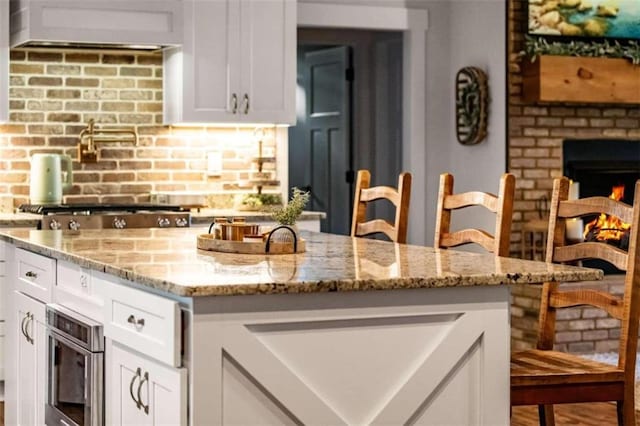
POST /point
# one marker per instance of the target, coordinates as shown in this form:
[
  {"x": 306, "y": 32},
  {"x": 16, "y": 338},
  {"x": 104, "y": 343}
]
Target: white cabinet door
[
  {"x": 142, "y": 391},
  {"x": 31, "y": 357},
  {"x": 268, "y": 45},
  {"x": 237, "y": 64},
  {"x": 4, "y": 61},
  {"x": 4, "y": 288},
  {"x": 200, "y": 76}
]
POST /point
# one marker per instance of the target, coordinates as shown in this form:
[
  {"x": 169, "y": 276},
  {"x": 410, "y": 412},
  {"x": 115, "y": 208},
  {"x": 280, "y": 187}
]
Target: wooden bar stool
[
  {"x": 366, "y": 194},
  {"x": 501, "y": 205},
  {"x": 545, "y": 377}
]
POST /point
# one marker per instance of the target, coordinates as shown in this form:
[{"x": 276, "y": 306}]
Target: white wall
[
  {"x": 464, "y": 33},
  {"x": 460, "y": 33}
]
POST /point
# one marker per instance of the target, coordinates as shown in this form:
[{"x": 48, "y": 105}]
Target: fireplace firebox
[{"x": 599, "y": 166}]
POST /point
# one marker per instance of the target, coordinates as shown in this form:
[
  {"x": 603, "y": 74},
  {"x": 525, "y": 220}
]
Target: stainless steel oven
[
  {"x": 76, "y": 369},
  {"x": 75, "y": 217}
]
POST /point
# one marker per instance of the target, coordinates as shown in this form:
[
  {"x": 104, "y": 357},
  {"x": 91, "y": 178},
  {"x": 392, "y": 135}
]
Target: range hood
[{"x": 133, "y": 24}]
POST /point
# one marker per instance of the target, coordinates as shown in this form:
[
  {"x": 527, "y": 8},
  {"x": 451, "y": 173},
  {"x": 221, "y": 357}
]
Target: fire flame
[{"x": 607, "y": 227}]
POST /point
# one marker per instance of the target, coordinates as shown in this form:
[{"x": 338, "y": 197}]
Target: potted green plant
[{"x": 289, "y": 214}]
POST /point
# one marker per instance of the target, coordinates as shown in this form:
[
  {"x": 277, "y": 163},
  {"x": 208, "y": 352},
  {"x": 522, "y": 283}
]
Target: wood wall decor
[
  {"x": 580, "y": 79},
  {"x": 472, "y": 105}
]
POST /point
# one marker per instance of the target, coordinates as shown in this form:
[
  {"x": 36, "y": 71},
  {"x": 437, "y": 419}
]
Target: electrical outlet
[{"x": 214, "y": 163}]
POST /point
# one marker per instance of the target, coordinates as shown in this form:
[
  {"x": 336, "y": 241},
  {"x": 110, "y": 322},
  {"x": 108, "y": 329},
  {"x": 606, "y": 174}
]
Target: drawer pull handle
[
  {"x": 138, "y": 322},
  {"x": 31, "y": 274},
  {"x": 145, "y": 378},
  {"x": 133, "y": 380}
]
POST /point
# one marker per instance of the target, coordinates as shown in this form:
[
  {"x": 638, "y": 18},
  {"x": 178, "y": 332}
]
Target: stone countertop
[
  {"x": 206, "y": 216},
  {"x": 11, "y": 220},
  {"x": 168, "y": 260}
]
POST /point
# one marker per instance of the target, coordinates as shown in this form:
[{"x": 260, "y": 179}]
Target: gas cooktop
[{"x": 93, "y": 208}]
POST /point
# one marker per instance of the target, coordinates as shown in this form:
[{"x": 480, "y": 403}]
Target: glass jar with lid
[{"x": 216, "y": 228}]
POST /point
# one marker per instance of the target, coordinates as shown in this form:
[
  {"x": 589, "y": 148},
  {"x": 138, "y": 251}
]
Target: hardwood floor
[
  {"x": 596, "y": 414},
  {"x": 588, "y": 414}
]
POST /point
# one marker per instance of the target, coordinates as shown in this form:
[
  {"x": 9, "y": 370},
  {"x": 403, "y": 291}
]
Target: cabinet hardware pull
[
  {"x": 22, "y": 326},
  {"x": 31, "y": 274},
  {"x": 133, "y": 380},
  {"x": 145, "y": 378},
  {"x": 26, "y": 328},
  {"x": 245, "y": 101},
  {"x": 234, "y": 103},
  {"x": 132, "y": 320}
]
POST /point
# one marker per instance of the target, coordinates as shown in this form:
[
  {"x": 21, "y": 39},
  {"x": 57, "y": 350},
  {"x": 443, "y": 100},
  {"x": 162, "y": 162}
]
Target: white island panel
[{"x": 376, "y": 358}]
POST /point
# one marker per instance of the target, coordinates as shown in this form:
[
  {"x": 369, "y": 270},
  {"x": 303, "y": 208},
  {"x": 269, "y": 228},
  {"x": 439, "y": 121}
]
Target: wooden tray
[{"x": 207, "y": 242}]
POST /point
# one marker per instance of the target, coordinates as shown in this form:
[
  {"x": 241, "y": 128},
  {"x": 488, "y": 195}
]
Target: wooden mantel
[{"x": 581, "y": 80}]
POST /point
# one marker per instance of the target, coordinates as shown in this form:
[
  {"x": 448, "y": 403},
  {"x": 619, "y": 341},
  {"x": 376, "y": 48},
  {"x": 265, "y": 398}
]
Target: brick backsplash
[
  {"x": 536, "y": 132},
  {"x": 53, "y": 95}
]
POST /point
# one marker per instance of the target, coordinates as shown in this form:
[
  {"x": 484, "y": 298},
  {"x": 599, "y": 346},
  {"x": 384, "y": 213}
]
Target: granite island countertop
[{"x": 168, "y": 260}]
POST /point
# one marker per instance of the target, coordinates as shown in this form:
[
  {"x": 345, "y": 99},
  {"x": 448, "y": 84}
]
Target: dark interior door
[{"x": 320, "y": 143}]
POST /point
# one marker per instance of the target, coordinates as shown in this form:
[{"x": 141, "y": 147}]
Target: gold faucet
[{"x": 88, "y": 153}]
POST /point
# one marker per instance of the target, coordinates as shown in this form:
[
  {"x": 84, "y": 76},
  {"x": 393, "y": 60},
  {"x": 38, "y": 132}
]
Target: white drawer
[
  {"x": 76, "y": 290},
  {"x": 36, "y": 275},
  {"x": 143, "y": 321},
  {"x": 3, "y": 268}
]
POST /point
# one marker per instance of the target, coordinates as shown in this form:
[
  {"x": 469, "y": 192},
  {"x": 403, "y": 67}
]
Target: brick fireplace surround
[{"x": 536, "y": 132}]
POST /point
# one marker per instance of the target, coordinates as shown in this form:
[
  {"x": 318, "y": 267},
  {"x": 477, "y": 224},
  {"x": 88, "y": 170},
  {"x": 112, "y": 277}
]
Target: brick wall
[
  {"x": 54, "y": 93},
  {"x": 536, "y": 132}
]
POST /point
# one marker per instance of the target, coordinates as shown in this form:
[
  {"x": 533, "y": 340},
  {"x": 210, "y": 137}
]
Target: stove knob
[
  {"x": 54, "y": 224},
  {"x": 119, "y": 223},
  {"x": 74, "y": 225},
  {"x": 163, "y": 222},
  {"x": 182, "y": 222}
]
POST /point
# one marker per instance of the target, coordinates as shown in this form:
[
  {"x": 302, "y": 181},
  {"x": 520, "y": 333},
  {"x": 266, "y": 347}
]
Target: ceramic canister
[
  {"x": 237, "y": 231},
  {"x": 46, "y": 178}
]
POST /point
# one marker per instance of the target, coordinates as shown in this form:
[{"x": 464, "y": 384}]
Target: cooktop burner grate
[{"x": 96, "y": 208}]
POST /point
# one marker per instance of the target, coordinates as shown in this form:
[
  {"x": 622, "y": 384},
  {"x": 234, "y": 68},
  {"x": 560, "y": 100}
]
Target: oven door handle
[
  {"x": 143, "y": 379},
  {"x": 133, "y": 380}
]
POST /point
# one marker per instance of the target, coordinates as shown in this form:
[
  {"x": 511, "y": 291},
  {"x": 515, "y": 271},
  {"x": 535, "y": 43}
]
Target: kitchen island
[{"x": 353, "y": 331}]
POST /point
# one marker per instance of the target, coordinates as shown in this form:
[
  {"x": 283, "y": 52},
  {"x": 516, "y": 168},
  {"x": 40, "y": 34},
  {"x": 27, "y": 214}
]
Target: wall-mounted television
[{"x": 585, "y": 19}]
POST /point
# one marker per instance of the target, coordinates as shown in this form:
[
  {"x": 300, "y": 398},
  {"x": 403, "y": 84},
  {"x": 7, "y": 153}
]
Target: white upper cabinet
[
  {"x": 237, "y": 64},
  {"x": 4, "y": 61},
  {"x": 119, "y": 22}
]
